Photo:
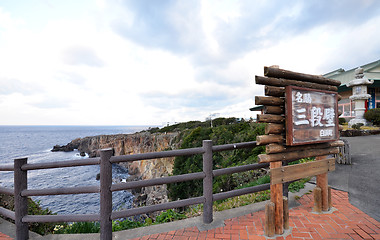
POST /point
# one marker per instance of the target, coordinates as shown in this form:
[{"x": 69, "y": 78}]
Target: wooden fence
[{"x": 106, "y": 215}]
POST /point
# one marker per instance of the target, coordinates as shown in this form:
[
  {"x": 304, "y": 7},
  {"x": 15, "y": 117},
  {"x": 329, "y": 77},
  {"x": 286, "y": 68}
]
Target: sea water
[{"x": 35, "y": 143}]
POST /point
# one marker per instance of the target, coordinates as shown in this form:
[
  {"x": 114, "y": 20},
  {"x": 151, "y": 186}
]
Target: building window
[{"x": 346, "y": 106}]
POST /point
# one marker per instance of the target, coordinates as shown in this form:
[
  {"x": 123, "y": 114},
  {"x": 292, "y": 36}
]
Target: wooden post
[
  {"x": 274, "y": 91},
  {"x": 276, "y": 198},
  {"x": 322, "y": 182},
  {"x": 272, "y": 128},
  {"x": 286, "y": 213},
  {"x": 207, "y": 182},
  {"x": 266, "y": 139},
  {"x": 317, "y": 200},
  {"x": 270, "y": 118},
  {"x": 285, "y": 186},
  {"x": 281, "y": 73},
  {"x": 287, "y": 156},
  {"x": 274, "y": 110},
  {"x": 279, "y": 82},
  {"x": 330, "y": 201},
  {"x": 272, "y": 101},
  {"x": 21, "y": 203},
  {"x": 269, "y": 227},
  {"x": 105, "y": 194}
]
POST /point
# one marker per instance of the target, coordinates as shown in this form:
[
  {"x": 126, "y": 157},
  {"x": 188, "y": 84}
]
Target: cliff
[{"x": 125, "y": 144}]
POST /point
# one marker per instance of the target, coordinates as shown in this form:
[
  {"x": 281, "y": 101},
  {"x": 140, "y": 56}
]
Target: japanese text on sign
[{"x": 311, "y": 116}]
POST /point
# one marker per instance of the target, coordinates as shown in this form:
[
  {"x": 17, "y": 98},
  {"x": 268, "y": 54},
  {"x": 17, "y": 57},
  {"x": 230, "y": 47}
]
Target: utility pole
[{"x": 213, "y": 115}]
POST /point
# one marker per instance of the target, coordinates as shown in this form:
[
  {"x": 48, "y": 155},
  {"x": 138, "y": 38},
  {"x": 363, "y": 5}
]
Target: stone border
[{"x": 355, "y": 133}]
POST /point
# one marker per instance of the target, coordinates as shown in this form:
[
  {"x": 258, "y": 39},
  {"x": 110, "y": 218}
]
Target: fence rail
[{"x": 106, "y": 215}]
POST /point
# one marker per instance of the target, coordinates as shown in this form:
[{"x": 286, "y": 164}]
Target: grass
[
  {"x": 118, "y": 225},
  {"x": 345, "y": 127}
]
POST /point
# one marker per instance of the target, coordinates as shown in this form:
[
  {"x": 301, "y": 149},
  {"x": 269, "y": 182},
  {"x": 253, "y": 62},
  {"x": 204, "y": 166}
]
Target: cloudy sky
[{"x": 138, "y": 62}]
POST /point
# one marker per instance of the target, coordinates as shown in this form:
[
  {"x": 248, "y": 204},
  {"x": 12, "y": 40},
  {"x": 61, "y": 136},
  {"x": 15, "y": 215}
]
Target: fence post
[
  {"x": 322, "y": 182},
  {"x": 285, "y": 186},
  {"x": 21, "y": 203},
  {"x": 105, "y": 194},
  {"x": 207, "y": 181},
  {"x": 276, "y": 198}
]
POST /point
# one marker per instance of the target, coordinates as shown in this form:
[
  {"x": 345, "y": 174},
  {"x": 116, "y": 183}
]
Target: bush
[
  {"x": 79, "y": 227},
  {"x": 169, "y": 216},
  {"x": 117, "y": 225},
  {"x": 342, "y": 121},
  {"x": 373, "y": 116},
  {"x": 125, "y": 224},
  {"x": 357, "y": 126},
  {"x": 224, "y": 134},
  {"x": 298, "y": 185},
  {"x": 34, "y": 208}
]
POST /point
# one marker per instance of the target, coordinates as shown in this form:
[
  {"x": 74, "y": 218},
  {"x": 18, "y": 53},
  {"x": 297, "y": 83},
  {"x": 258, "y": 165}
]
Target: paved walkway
[
  {"x": 4, "y": 237},
  {"x": 345, "y": 222}
]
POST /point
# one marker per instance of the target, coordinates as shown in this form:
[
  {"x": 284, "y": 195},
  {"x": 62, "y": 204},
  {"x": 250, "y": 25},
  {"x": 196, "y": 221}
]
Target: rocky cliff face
[{"x": 143, "y": 142}]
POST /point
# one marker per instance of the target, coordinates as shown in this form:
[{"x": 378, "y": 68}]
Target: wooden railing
[{"x": 106, "y": 215}]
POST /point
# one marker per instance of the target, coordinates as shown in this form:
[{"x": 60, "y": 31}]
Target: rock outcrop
[{"x": 125, "y": 144}]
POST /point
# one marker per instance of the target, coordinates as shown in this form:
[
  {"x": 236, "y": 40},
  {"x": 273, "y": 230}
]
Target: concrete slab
[{"x": 9, "y": 229}]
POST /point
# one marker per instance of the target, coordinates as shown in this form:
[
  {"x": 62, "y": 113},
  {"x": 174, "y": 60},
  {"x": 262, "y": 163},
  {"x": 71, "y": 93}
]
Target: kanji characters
[
  {"x": 303, "y": 98},
  {"x": 329, "y": 116},
  {"x": 301, "y": 117},
  {"x": 316, "y": 117}
]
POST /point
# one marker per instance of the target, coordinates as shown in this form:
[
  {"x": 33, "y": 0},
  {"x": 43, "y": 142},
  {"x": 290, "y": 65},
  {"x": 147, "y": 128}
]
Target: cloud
[
  {"x": 159, "y": 24},
  {"x": 185, "y": 99},
  {"x": 182, "y": 27},
  {"x": 264, "y": 24},
  {"x": 12, "y": 85},
  {"x": 203, "y": 96},
  {"x": 71, "y": 77},
  {"x": 51, "y": 102},
  {"x": 81, "y": 55}
]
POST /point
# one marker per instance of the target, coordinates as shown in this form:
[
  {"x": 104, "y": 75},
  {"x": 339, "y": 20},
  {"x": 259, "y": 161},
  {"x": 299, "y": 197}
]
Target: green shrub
[
  {"x": 224, "y": 134},
  {"x": 169, "y": 216},
  {"x": 79, "y": 227},
  {"x": 357, "y": 126},
  {"x": 125, "y": 224},
  {"x": 373, "y": 116},
  {"x": 342, "y": 121},
  {"x": 262, "y": 180},
  {"x": 195, "y": 124},
  {"x": 297, "y": 185},
  {"x": 117, "y": 225},
  {"x": 34, "y": 208}
]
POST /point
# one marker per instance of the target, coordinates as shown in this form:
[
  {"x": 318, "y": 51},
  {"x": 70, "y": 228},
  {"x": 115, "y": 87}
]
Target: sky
[{"x": 152, "y": 62}]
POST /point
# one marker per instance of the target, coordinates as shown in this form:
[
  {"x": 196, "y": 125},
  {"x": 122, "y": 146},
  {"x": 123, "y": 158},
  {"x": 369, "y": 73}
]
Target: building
[{"x": 345, "y": 105}]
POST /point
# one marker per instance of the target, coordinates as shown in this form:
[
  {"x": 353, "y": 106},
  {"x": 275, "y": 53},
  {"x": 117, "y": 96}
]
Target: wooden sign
[
  {"x": 299, "y": 171},
  {"x": 311, "y": 116}
]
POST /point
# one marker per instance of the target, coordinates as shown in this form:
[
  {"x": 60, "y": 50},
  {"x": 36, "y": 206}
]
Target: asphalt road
[{"x": 361, "y": 179}]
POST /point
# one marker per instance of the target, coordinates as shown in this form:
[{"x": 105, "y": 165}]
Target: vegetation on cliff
[
  {"x": 224, "y": 131},
  {"x": 195, "y": 124},
  {"x": 34, "y": 208}
]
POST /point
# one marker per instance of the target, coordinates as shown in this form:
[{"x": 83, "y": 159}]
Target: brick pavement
[
  {"x": 4, "y": 237},
  {"x": 346, "y": 222}
]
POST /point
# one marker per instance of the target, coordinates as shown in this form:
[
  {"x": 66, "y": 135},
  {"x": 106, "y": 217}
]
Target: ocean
[{"x": 35, "y": 143}]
